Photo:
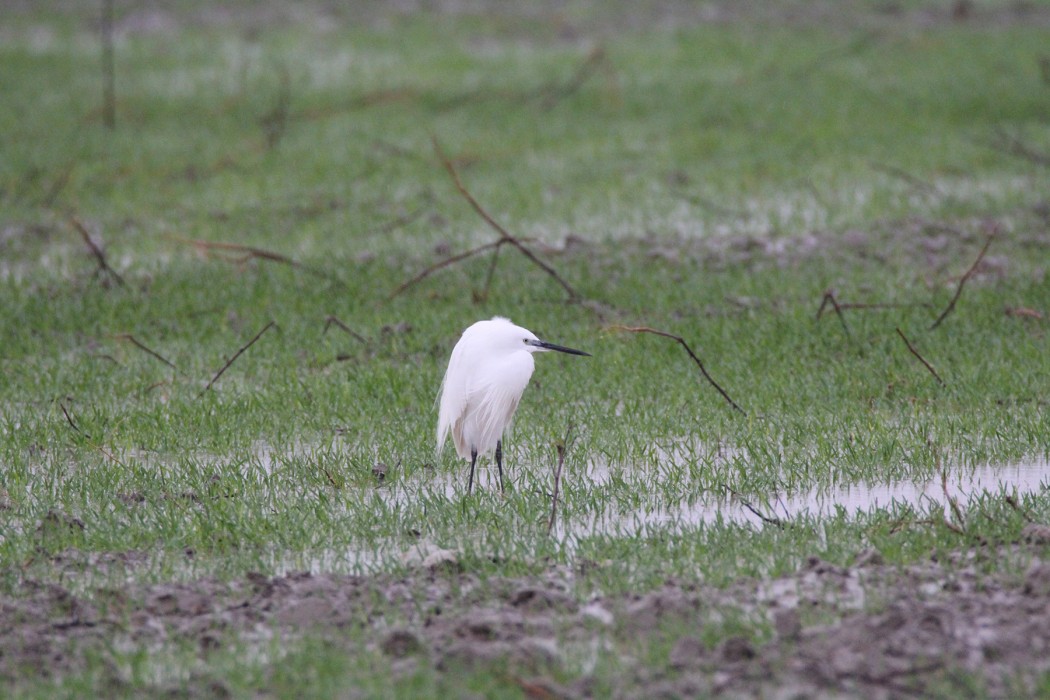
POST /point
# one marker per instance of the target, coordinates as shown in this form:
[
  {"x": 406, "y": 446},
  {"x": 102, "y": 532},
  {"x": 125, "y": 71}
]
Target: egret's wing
[{"x": 452, "y": 402}]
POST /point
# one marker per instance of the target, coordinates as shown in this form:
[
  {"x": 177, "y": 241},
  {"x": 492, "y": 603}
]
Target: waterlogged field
[{"x": 230, "y": 291}]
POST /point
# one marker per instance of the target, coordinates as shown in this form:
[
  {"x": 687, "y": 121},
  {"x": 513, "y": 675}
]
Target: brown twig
[
  {"x": 1015, "y": 147},
  {"x": 405, "y": 219},
  {"x": 901, "y": 524},
  {"x": 952, "y": 502},
  {"x": 829, "y": 297},
  {"x": 134, "y": 341},
  {"x": 1012, "y": 502},
  {"x": 496, "y": 226},
  {"x": 850, "y": 306},
  {"x": 563, "y": 447},
  {"x": 922, "y": 359},
  {"x": 901, "y": 174},
  {"x": 59, "y": 184},
  {"x": 69, "y": 419},
  {"x": 100, "y": 256},
  {"x": 962, "y": 281},
  {"x": 444, "y": 263},
  {"x": 681, "y": 341},
  {"x": 251, "y": 252},
  {"x": 768, "y": 519},
  {"x": 484, "y": 294},
  {"x": 237, "y": 354},
  {"x": 554, "y": 94},
  {"x": 330, "y": 321},
  {"x": 275, "y": 122}
]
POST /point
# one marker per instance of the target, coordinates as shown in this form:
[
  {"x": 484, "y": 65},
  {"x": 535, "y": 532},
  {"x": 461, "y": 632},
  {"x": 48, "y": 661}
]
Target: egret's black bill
[{"x": 559, "y": 348}]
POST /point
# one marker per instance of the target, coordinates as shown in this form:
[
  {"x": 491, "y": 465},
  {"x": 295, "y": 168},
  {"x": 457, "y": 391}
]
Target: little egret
[{"x": 487, "y": 373}]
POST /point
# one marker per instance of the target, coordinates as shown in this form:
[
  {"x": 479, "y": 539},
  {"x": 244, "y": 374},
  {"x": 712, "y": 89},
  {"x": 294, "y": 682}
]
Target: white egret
[{"x": 487, "y": 373}]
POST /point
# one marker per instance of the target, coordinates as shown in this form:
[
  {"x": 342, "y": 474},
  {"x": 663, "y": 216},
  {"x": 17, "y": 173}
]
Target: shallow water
[
  {"x": 960, "y": 484},
  {"x": 655, "y": 511}
]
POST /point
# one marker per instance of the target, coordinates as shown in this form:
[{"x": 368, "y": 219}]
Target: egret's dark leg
[
  {"x": 499, "y": 463},
  {"x": 473, "y": 461}
]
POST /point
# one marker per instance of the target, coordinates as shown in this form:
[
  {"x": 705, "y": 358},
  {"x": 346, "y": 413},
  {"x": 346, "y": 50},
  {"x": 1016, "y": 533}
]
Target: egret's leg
[
  {"x": 473, "y": 461},
  {"x": 499, "y": 463}
]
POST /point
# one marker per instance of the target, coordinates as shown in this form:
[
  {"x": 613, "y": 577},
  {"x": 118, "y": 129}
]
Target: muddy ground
[{"x": 869, "y": 629}]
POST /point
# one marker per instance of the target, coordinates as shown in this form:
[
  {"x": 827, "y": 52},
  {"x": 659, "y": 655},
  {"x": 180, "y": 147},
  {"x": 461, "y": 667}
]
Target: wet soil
[{"x": 869, "y": 629}]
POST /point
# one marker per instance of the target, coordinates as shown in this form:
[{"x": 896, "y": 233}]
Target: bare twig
[
  {"x": 922, "y": 359},
  {"x": 58, "y": 185},
  {"x": 69, "y": 419},
  {"x": 275, "y": 122},
  {"x": 1013, "y": 145},
  {"x": 828, "y": 56},
  {"x": 829, "y": 298},
  {"x": 553, "y": 94},
  {"x": 484, "y": 294},
  {"x": 681, "y": 341},
  {"x": 952, "y": 502},
  {"x": 330, "y": 321},
  {"x": 962, "y": 281},
  {"x": 768, "y": 519},
  {"x": 237, "y": 354},
  {"x": 1023, "y": 312},
  {"x": 496, "y": 226},
  {"x": 405, "y": 219},
  {"x": 331, "y": 481},
  {"x": 901, "y": 174},
  {"x": 1012, "y": 502},
  {"x": 709, "y": 204},
  {"x": 100, "y": 256},
  {"x": 134, "y": 341},
  {"x": 563, "y": 447},
  {"x": 850, "y": 306},
  {"x": 900, "y": 525},
  {"x": 251, "y": 252},
  {"x": 444, "y": 263}
]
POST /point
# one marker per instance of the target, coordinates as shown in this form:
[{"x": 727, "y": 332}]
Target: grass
[{"x": 712, "y": 181}]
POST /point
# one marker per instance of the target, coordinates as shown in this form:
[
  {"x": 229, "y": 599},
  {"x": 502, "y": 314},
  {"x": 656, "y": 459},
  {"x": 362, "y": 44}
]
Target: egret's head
[
  {"x": 502, "y": 334},
  {"x": 517, "y": 334}
]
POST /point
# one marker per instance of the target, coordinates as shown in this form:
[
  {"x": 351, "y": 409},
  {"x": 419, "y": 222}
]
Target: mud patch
[{"x": 870, "y": 629}]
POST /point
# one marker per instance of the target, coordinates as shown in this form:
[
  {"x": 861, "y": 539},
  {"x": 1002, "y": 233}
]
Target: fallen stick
[
  {"x": 504, "y": 234},
  {"x": 555, "y": 93},
  {"x": 951, "y": 499},
  {"x": 922, "y": 359},
  {"x": 962, "y": 281},
  {"x": 1014, "y": 146},
  {"x": 275, "y": 122},
  {"x": 681, "y": 341},
  {"x": 100, "y": 257},
  {"x": 251, "y": 252},
  {"x": 563, "y": 446},
  {"x": 444, "y": 263},
  {"x": 884, "y": 305},
  {"x": 233, "y": 359},
  {"x": 904, "y": 175},
  {"x": 330, "y": 321},
  {"x": 768, "y": 519},
  {"x": 484, "y": 294},
  {"x": 830, "y": 298},
  {"x": 69, "y": 419},
  {"x": 134, "y": 341}
]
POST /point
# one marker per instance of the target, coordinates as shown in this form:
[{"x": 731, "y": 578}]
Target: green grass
[{"x": 713, "y": 181}]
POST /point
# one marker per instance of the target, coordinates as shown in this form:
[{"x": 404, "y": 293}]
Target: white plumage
[{"x": 487, "y": 373}]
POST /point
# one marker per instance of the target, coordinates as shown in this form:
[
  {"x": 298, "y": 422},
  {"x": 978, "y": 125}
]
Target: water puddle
[
  {"x": 851, "y": 499},
  {"x": 618, "y": 501}
]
